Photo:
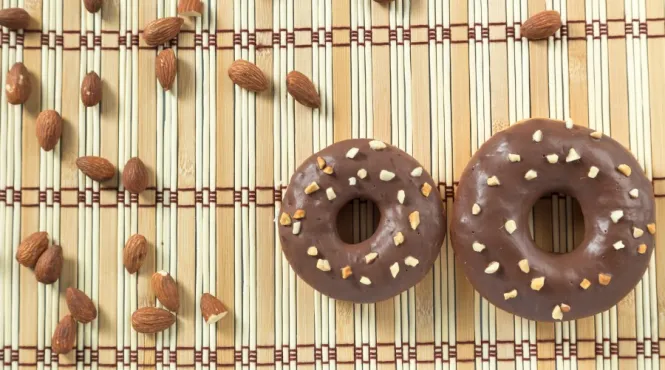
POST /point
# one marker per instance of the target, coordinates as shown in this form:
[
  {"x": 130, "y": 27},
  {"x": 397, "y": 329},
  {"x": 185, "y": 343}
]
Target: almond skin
[
  {"x": 165, "y": 68},
  {"x": 18, "y": 86},
  {"x": 302, "y": 89},
  {"x": 190, "y": 8},
  {"x": 135, "y": 176},
  {"x": 248, "y": 76},
  {"x": 49, "y": 265},
  {"x": 166, "y": 290},
  {"x": 212, "y": 308},
  {"x": 96, "y": 168},
  {"x": 80, "y": 306},
  {"x": 48, "y": 129},
  {"x": 64, "y": 335},
  {"x": 162, "y": 30},
  {"x": 541, "y": 25},
  {"x": 31, "y": 248},
  {"x": 14, "y": 18},
  {"x": 152, "y": 320},
  {"x": 91, "y": 89},
  {"x": 92, "y": 6},
  {"x": 135, "y": 252}
]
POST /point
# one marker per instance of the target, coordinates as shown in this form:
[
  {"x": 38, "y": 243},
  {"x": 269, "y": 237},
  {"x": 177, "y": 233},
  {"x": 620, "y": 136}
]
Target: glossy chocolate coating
[
  {"x": 514, "y": 198},
  {"x": 319, "y": 227}
]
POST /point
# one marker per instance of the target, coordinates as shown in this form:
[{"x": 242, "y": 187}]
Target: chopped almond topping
[
  {"x": 624, "y": 169},
  {"x": 478, "y": 247},
  {"x": 618, "y": 245},
  {"x": 352, "y": 181},
  {"x": 346, "y": 271},
  {"x": 616, "y": 215},
  {"x": 511, "y": 226},
  {"x": 362, "y": 173},
  {"x": 585, "y": 284},
  {"x": 398, "y": 238},
  {"x": 370, "y": 257},
  {"x": 596, "y": 134},
  {"x": 593, "y": 172},
  {"x": 537, "y": 283},
  {"x": 400, "y": 196},
  {"x": 426, "y": 189},
  {"x": 565, "y": 308},
  {"x": 651, "y": 228},
  {"x": 330, "y": 193},
  {"x": 296, "y": 228},
  {"x": 537, "y": 136},
  {"x": 524, "y": 266},
  {"x": 285, "y": 219},
  {"x": 416, "y": 172},
  {"x": 411, "y": 261},
  {"x": 414, "y": 219},
  {"x": 552, "y": 158},
  {"x": 377, "y": 145},
  {"x": 642, "y": 248},
  {"x": 634, "y": 193},
  {"x": 386, "y": 175},
  {"x": 509, "y": 295},
  {"x": 311, "y": 188},
  {"x": 493, "y": 181},
  {"x": 637, "y": 232},
  {"x": 299, "y": 214},
  {"x": 365, "y": 280},
  {"x": 352, "y": 153},
  {"x": 604, "y": 279},
  {"x": 572, "y": 155},
  {"x": 312, "y": 251},
  {"x": 514, "y": 157},
  {"x": 492, "y": 267},
  {"x": 323, "y": 265},
  {"x": 475, "y": 209},
  {"x": 320, "y": 162},
  {"x": 530, "y": 175},
  {"x": 394, "y": 269},
  {"x": 328, "y": 170},
  {"x": 556, "y": 313}
]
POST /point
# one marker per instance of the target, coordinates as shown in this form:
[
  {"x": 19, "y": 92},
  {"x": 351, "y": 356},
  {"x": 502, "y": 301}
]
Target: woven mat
[{"x": 435, "y": 77}]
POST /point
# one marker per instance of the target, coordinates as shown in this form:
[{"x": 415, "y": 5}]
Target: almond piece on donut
[
  {"x": 328, "y": 170},
  {"x": 398, "y": 238},
  {"x": 414, "y": 219},
  {"x": 634, "y": 193},
  {"x": 365, "y": 280},
  {"x": 537, "y": 136},
  {"x": 352, "y": 181},
  {"x": 296, "y": 227},
  {"x": 386, "y": 175},
  {"x": 285, "y": 219},
  {"x": 312, "y": 251},
  {"x": 346, "y": 272},
  {"x": 556, "y": 313},
  {"x": 651, "y": 228},
  {"x": 394, "y": 269},
  {"x": 478, "y": 247},
  {"x": 537, "y": 283},
  {"x": 637, "y": 232},
  {"x": 514, "y": 157},
  {"x": 426, "y": 189},
  {"x": 510, "y": 295},
  {"x": 572, "y": 155},
  {"x": 352, "y": 153},
  {"x": 311, "y": 188},
  {"x": 493, "y": 181},
  {"x": 475, "y": 210},
  {"x": 377, "y": 145},
  {"x": 362, "y": 173},
  {"x": 596, "y": 134},
  {"x": 593, "y": 172},
  {"x": 411, "y": 261},
  {"x": 299, "y": 214},
  {"x": 530, "y": 175},
  {"x": 400, "y": 196},
  {"x": 511, "y": 226},
  {"x": 564, "y": 308},
  {"x": 552, "y": 158},
  {"x": 330, "y": 193},
  {"x": 370, "y": 257},
  {"x": 642, "y": 248},
  {"x": 585, "y": 284},
  {"x": 616, "y": 215},
  {"x": 524, "y": 266},
  {"x": 321, "y": 163},
  {"x": 619, "y": 245},
  {"x": 624, "y": 169},
  {"x": 604, "y": 279},
  {"x": 323, "y": 265},
  {"x": 492, "y": 267},
  {"x": 416, "y": 172}
]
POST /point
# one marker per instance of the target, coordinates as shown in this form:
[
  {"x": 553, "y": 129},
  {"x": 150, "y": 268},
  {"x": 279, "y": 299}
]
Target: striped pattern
[{"x": 435, "y": 77}]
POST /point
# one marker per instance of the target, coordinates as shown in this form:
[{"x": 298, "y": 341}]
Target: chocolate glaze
[
  {"x": 514, "y": 198},
  {"x": 319, "y": 227}
]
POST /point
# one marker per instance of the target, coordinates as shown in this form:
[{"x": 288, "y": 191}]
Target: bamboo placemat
[{"x": 435, "y": 77}]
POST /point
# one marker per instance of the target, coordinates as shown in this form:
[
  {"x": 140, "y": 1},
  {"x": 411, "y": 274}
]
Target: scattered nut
[
  {"x": 346, "y": 272},
  {"x": 493, "y": 181},
  {"x": 311, "y": 188},
  {"x": 321, "y": 163},
  {"x": 312, "y": 251},
  {"x": 416, "y": 172},
  {"x": 365, "y": 280},
  {"x": 398, "y": 238},
  {"x": 552, "y": 158},
  {"x": 537, "y": 136},
  {"x": 362, "y": 173},
  {"x": 426, "y": 189},
  {"x": 618, "y": 245},
  {"x": 475, "y": 209},
  {"x": 400, "y": 196},
  {"x": 370, "y": 257},
  {"x": 530, "y": 175},
  {"x": 524, "y": 266},
  {"x": 514, "y": 157},
  {"x": 492, "y": 267},
  {"x": 330, "y": 193},
  {"x": 478, "y": 247},
  {"x": 394, "y": 269},
  {"x": 537, "y": 283},
  {"x": 352, "y": 153},
  {"x": 296, "y": 228},
  {"x": 299, "y": 214},
  {"x": 596, "y": 134},
  {"x": 377, "y": 145},
  {"x": 624, "y": 169},
  {"x": 604, "y": 279},
  {"x": 569, "y": 123},
  {"x": 323, "y": 265},
  {"x": 509, "y": 295},
  {"x": 411, "y": 261},
  {"x": 642, "y": 248},
  {"x": 637, "y": 232},
  {"x": 386, "y": 175},
  {"x": 593, "y": 172},
  {"x": 564, "y": 308},
  {"x": 511, "y": 226},
  {"x": 556, "y": 313},
  {"x": 414, "y": 219},
  {"x": 651, "y": 228},
  {"x": 572, "y": 155},
  {"x": 352, "y": 181},
  {"x": 585, "y": 284},
  {"x": 616, "y": 215},
  {"x": 634, "y": 193},
  {"x": 328, "y": 170}
]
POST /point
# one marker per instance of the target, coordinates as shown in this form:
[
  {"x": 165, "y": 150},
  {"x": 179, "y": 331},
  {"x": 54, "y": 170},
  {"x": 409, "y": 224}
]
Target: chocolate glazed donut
[
  {"x": 408, "y": 237},
  {"x": 490, "y": 230}
]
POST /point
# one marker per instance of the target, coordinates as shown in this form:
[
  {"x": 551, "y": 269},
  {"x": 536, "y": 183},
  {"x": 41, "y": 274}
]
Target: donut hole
[
  {"x": 556, "y": 218},
  {"x": 357, "y": 221}
]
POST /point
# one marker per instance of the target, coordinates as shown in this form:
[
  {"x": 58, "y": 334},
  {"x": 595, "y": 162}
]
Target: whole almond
[
  {"x": 152, "y": 320},
  {"x": 135, "y": 252},
  {"x": 135, "y": 176},
  {"x": 212, "y": 308},
  {"x": 248, "y": 76},
  {"x": 190, "y": 8},
  {"x": 91, "y": 89},
  {"x": 14, "y": 18},
  {"x": 96, "y": 168},
  {"x": 31, "y": 248},
  {"x": 162, "y": 30},
  {"x": 302, "y": 89},
  {"x": 166, "y": 290},
  {"x": 48, "y": 129},
  {"x": 18, "y": 86},
  {"x": 165, "y": 68},
  {"x": 541, "y": 25},
  {"x": 64, "y": 335},
  {"x": 80, "y": 306},
  {"x": 92, "y": 6},
  {"x": 49, "y": 265}
]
